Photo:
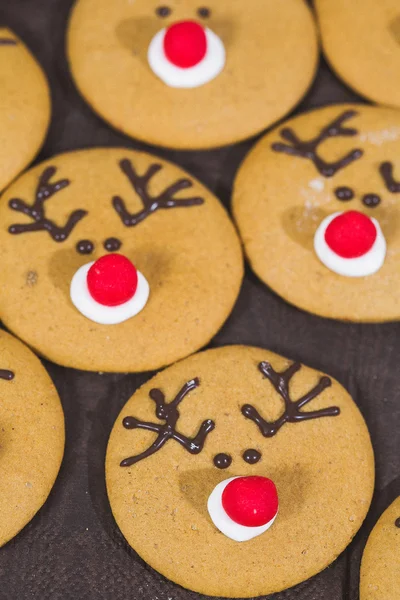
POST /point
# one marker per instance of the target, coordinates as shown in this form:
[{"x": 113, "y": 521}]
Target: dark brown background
[{"x": 72, "y": 548}]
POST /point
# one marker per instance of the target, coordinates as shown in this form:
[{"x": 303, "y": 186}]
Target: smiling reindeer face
[
  {"x": 90, "y": 205},
  {"x": 288, "y": 198}
]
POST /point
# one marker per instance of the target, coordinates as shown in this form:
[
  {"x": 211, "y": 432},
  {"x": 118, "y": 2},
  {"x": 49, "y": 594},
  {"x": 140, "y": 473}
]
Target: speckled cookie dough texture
[
  {"x": 323, "y": 468},
  {"x": 361, "y": 40},
  {"x": 24, "y": 106},
  {"x": 87, "y": 204},
  {"x": 31, "y": 436},
  {"x": 335, "y": 159},
  {"x": 380, "y": 566},
  {"x": 271, "y": 55}
]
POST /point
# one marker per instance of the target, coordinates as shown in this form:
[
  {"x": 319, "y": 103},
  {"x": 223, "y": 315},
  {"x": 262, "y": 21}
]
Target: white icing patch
[
  {"x": 234, "y": 531},
  {"x": 178, "y": 77},
  {"x": 361, "y": 266},
  {"x": 377, "y": 138},
  {"x": 106, "y": 315},
  {"x": 317, "y": 185}
]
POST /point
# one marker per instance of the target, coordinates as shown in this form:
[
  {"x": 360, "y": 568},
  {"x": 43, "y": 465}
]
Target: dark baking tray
[{"x": 72, "y": 549}]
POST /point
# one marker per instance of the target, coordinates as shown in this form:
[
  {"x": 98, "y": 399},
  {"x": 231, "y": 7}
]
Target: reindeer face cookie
[
  {"x": 380, "y": 567},
  {"x": 114, "y": 260},
  {"x": 187, "y": 74},
  {"x": 239, "y": 473},
  {"x": 317, "y": 203},
  {"x": 31, "y": 436},
  {"x": 24, "y": 106}
]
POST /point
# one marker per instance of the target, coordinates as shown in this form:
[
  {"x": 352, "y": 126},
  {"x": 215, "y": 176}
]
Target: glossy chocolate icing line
[
  {"x": 167, "y": 431},
  {"x": 397, "y": 522},
  {"x": 222, "y": 460},
  {"x": 140, "y": 184},
  {"x": 112, "y": 244},
  {"x": 8, "y": 42},
  {"x": 309, "y": 148},
  {"x": 6, "y": 374},
  {"x": 386, "y": 171},
  {"x": 36, "y": 211},
  {"x": 292, "y": 413},
  {"x": 251, "y": 456},
  {"x": 84, "y": 247},
  {"x": 344, "y": 193},
  {"x": 371, "y": 200}
]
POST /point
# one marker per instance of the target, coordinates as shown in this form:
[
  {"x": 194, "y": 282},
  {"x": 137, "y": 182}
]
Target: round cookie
[
  {"x": 32, "y": 436},
  {"x": 339, "y": 161},
  {"x": 82, "y": 206},
  {"x": 230, "y": 412},
  {"x": 254, "y": 63},
  {"x": 24, "y": 106},
  {"x": 380, "y": 566},
  {"x": 361, "y": 40}
]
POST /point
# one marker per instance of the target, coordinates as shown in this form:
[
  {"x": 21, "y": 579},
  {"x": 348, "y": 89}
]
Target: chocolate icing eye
[
  {"x": 251, "y": 456},
  {"x": 222, "y": 460},
  {"x": 344, "y": 193},
  {"x": 163, "y": 11},
  {"x": 84, "y": 247},
  {"x": 204, "y": 12},
  {"x": 112, "y": 244},
  {"x": 371, "y": 200}
]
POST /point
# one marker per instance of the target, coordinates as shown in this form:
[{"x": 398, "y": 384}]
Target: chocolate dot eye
[
  {"x": 222, "y": 460},
  {"x": 84, "y": 247},
  {"x": 163, "y": 11},
  {"x": 204, "y": 12},
  {"x": 344, "y": 193},
  {"x": 112, "y": 244},
  {"x": 371, "y": 200},
  {"x": 251, "y": 456}
]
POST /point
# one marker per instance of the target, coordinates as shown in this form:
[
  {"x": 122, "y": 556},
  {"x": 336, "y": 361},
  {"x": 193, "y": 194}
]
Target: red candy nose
[
  {"x": 185, "y": 44},
  {"x": 112, "y": 280},
  {"x": 351, "y": 234},
  {"x": 250, "y": 501}
]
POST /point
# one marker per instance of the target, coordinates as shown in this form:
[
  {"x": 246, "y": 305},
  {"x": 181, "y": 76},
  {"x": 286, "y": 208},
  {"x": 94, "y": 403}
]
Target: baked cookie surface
[
  {"x": 24, "y": 106},
  {"x": 380, "y": 567},
  {"x": 339, "y": 161},
  {"x": 233, "y": 421},
  {"x": 258, "y": 59},
  {"x": 32, "y": 436},
  {"x": 68, "y": 212},
  {"x": 361, "y": 40}
]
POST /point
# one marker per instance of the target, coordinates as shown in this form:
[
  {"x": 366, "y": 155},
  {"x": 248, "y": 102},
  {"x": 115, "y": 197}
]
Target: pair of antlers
[{"x": 140, "y": 183}]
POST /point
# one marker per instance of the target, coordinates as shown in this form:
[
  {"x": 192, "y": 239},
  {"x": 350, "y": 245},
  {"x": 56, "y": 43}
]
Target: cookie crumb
[{"x": 31, "y": 278}]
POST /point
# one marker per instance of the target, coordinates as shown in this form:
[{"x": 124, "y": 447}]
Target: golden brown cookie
[
  {"x": 31, "y": 436},
  {"x": 239, "y": 412},
  {"x": 317, "y": 203},
  {"x": 380, "y": 567},
  {"x": 191, "y": 75},
  {"x": 24, "y": 106},
  {"x": 361, "y": 40},
  {"x": 121, "y": 207}
]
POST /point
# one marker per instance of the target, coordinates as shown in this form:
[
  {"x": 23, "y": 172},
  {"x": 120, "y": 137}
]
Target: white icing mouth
[
  {"x": 99, "y": 313},
  {"x": 206, "y": 70}
]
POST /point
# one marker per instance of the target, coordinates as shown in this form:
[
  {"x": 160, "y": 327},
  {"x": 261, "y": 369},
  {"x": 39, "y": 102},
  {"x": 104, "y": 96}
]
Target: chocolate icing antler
[
  {"x": 36, "y": 211},
  {"x": 309, "y": 148},
  {"x": 6, "y": 374},
  {"x": 386, "y": 170},
  {"x": 292, "y": 413},
  {"x": 170, "y": 414},
  {"x": 140, "y": 184}
]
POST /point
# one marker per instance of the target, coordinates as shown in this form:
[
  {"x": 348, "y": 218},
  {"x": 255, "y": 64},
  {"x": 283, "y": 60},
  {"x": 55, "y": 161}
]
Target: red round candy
[
  {"x": 185, "y": 44},
  {"x": 351, "y": 234},
  {"x": 112, "y": 280},
  {"x": 250, "y": 501}
]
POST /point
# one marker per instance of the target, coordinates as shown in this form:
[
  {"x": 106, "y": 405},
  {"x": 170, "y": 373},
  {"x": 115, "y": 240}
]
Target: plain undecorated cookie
[
  {"x": 271, "y": 56},
  {"x": 31, "y": 436},
  {"x": 24, "y": 106},
  {"x": 178, "y": 235},
  {"x": 361, "y": 40},
  {"x": 323, "y": 469},
  {"x": 380, "y": 566},
  {"x": 291, "y": 181}
]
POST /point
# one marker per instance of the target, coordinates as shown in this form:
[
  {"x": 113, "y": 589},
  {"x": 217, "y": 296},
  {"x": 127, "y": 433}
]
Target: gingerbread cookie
[
  {"x": 380, "y": 567},
  {"x": 115, "y": 260},
  {"x": 191, "y": 75},
  {"x": 238, "y": 473},
  {"x": 31, "y": 436},
  {"x": 24, "y": 106},
  {"x": 361, "y": 40},
  {"x": 317, "y": 203}
]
